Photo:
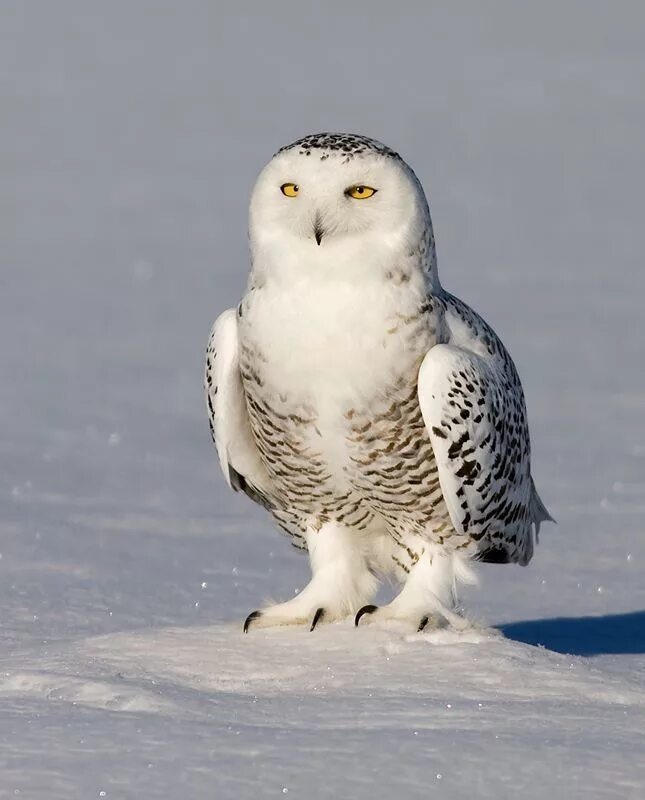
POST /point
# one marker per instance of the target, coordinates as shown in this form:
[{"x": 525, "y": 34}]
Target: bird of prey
[{"x": 377, "y": 417}]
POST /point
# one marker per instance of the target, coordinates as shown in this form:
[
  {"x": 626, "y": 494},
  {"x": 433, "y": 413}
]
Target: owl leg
[
  {"x": 341, "y": 582},
  {"x": 429, "y": 594}
]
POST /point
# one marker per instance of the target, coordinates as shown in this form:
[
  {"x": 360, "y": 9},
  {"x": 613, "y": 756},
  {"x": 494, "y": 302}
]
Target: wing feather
[
  {"x": 228, "y": 416},
  {"x": 474, "y": 411}
]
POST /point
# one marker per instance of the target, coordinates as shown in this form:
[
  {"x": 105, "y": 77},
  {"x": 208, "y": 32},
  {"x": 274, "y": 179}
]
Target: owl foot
[
  {"x": 433, "y": 619},
  {"x": 420, "y": 620},
  {"x": 340, "y": 584},
  {"x": 428, "y": 595},
  {"x": 286, "y": 614}
]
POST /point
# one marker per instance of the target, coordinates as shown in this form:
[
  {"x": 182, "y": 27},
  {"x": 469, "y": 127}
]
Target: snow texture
[{"x": 131, "y": 136}]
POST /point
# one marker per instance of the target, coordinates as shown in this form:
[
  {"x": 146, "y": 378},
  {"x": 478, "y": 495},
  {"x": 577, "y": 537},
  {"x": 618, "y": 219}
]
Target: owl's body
[{"x": 377, "y": 417}]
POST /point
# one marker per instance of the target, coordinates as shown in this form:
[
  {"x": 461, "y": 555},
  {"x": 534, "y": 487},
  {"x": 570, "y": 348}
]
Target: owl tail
[{"x": 539, "y": 512}]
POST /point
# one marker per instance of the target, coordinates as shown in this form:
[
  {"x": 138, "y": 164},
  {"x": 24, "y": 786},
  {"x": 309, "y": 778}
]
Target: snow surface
[{"x": 131, "y": 136}]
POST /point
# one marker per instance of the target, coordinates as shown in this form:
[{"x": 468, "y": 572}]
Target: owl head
[{"x": 336, "y": 194}]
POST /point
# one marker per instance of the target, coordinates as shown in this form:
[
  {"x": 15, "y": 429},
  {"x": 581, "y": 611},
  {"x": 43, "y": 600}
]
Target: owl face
[{"x": 325, "y": 196}]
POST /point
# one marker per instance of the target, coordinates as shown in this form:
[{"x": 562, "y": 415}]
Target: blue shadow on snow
[{"x": 583, "y": 636}]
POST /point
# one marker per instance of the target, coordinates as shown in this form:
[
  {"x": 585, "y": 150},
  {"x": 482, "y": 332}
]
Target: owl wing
[
  {"x": 228, "y": 416},
  {"x": 473, "y": 409}
]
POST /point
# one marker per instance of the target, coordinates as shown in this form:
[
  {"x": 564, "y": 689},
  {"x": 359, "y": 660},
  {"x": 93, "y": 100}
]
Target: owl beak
[{"x": 318, "y": 229}]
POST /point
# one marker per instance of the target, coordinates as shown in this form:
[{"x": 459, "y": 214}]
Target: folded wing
[
  {"x": 227, "y": 413},
  {"x": 474, "y": 411}
]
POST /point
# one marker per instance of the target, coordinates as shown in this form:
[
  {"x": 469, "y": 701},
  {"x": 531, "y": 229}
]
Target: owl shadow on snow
[{"x": 583, "y": 636}]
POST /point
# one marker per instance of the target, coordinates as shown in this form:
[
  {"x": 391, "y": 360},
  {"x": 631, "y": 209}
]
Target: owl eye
[
  {"x": 360, "y": 191},
  {"x": 290, "y": 189}
]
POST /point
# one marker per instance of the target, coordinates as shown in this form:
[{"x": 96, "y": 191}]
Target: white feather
[{"x": 226, "y": 405}]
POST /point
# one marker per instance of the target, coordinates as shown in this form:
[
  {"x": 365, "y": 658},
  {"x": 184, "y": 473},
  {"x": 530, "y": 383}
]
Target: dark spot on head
[{"x": 347, "y": 145}]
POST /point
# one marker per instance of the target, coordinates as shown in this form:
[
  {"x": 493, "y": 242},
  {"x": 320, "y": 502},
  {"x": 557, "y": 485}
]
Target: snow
[{"x": 131, "y": 136}]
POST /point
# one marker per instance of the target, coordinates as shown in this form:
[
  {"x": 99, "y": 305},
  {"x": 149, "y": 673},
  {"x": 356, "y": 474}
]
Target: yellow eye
[
  {"x": 360, "y": 191},
  {"x": 290, "y": 189}
]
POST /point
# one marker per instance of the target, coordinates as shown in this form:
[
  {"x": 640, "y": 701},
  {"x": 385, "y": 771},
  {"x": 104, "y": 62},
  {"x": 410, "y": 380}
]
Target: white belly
[{"x": 327, "y": 353}]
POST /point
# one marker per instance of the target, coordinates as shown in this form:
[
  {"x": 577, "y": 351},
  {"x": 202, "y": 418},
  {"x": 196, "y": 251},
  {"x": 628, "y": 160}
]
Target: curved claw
[
  {"x": 422, "y": 624},
  {"x": 320, "y": 613},
  {"x": 247, "y": 622},
  {"x": 365, "y": 610}
]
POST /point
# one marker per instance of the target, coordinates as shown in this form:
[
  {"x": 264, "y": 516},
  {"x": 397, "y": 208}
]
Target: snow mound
[{"x": 478, "y": 663}]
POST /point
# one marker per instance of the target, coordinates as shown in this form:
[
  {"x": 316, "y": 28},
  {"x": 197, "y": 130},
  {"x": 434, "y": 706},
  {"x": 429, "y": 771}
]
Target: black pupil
[
  {"x": 295, "y": 187},
  {"x": 360, "y": 189}
]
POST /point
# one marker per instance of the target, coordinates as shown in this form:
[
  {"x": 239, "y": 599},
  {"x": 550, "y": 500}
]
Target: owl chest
[
  {"x": 338, "y": 406},
  {"x": 334, "y": 343}
]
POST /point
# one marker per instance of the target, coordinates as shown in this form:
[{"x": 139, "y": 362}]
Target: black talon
[
  {"x": 364, "y": 610},
  {"x": 422, "y": 624},
  {"x": 253, "y": 615},
  {"x": 320, "y": 613}
]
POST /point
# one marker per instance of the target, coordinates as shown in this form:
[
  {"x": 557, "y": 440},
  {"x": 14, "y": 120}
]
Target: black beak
[{"x": 318, "y": 230}]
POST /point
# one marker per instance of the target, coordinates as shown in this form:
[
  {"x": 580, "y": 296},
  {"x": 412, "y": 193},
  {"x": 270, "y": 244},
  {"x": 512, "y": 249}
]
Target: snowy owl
[{"x": 377, "y": 417}]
